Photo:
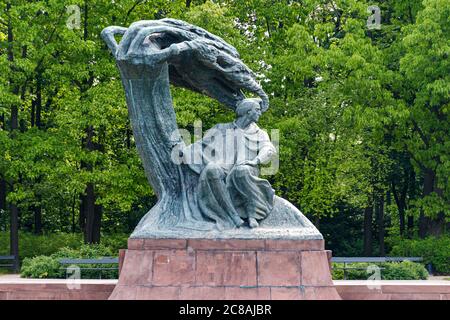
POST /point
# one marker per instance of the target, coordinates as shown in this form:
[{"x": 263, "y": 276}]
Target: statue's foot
[
  {"x": 253, "y": 223},
  {"x": 237, "y": 221}
]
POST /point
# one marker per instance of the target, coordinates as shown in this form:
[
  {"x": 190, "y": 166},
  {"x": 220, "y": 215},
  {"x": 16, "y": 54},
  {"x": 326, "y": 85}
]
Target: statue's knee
[
  {"x": 242, "y": 171},
  {"x": 213, "y": 171}
]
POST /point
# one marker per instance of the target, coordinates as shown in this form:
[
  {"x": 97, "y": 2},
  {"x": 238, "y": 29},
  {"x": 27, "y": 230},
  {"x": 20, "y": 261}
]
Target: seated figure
[{"x": 227, "y": 160}]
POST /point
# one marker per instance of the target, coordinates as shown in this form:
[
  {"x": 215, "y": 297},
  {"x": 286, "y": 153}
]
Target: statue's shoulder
[
  {"x": 219, "y": 128},
  {"x": 262, "y": 134},
  {"x": 254, "y": 128}
]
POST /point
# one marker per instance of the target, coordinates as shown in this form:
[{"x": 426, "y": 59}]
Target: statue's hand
[{"x": 252, "y": 163}]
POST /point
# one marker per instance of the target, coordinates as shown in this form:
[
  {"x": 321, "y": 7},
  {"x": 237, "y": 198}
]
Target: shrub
[
  {"x": 49, "y": 266},
  {"x": 352, "y": 274},
  {"x": 90, "y": 252},
  {"x": 31, "y": 245},
  {"x": 85, "y": 251},
  {"x": 405, "y": 270},
  {"x": 433, "y": 250},
  {"x": 40, "y": 253},
  {"x": 40, "y": 267}
]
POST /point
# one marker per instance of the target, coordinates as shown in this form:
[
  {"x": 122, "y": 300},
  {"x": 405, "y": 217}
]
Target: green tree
[{"x": 425, "y": 67}]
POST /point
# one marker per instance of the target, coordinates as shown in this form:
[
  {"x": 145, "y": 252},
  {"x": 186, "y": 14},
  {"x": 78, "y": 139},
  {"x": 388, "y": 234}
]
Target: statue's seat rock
[{"x": 284, "y": 222}]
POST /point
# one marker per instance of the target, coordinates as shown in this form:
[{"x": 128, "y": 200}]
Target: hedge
[
  {"x": 405, "y": 270},
  {"x": 31, "y": 245},
  {"x": 435, "y": 251},
  {"x": 49, "y": 266}
]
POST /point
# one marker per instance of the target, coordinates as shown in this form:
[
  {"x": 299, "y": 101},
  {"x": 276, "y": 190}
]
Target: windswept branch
[
  {"x": 108, "y": 34},
  {"x": 198, "y": 60}
]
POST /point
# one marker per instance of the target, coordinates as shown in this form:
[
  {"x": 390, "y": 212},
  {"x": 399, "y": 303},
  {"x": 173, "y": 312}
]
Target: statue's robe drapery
[{"x": 226, "y": 185}]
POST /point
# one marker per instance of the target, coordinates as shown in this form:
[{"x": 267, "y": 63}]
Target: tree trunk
[
  {"x": 128, "y": 137},
  {"x": 381, "y": 231},
  {"x": 96, "y": 227},
  {"x": 37, "y": 219},
  {"x": 73, "y": 214},
  {"x": 400, "y": 200},
  {"x": 93, "y": 215},
  {"x": 14, "y": 236},
  {"x": 82, "y": 217},
  {"x": 153, "y": 120},
  {"x": 153, "y": 127},
  {"x": 14, "y": 117},
  {"x": 427, "y": 225},
  {"x": 410, "y": 226},
  {"x": 368, "y": 231},
  {"x": 2, "y": 194},
  {"x": 33, "y": 113},
  {"x": 89, "y": 213}
]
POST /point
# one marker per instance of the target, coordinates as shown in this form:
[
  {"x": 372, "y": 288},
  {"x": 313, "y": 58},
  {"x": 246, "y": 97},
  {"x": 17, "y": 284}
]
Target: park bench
[
  {"x": 346, "y": 260},
  {"x": 69, "y": 263},
  {"x": 7, "y": 262}
]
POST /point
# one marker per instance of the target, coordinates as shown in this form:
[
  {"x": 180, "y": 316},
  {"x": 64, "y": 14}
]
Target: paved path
[
  {"x": 432, "y": 282},
  {"x": 12, "y": 287},
  {"x": 15, "y": 278},
  {"x": 434, "y": 278}
]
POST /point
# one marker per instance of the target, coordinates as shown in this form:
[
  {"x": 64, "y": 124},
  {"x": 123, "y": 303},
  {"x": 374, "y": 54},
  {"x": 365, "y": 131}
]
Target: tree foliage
[{"x": 362, "y": 113}]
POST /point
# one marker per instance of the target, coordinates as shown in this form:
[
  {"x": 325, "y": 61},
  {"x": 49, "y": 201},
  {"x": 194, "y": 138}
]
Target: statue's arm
[
  {"x": 266, "y": 154},
  {"x": 266, "y": 151}
]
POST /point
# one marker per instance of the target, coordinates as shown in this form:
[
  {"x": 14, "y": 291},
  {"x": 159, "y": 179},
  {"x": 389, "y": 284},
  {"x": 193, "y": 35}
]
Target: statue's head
[{"x": 250, "y": 107}]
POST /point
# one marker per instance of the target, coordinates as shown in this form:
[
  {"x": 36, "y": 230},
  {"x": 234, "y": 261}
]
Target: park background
[{"x": 362, "y": 113}]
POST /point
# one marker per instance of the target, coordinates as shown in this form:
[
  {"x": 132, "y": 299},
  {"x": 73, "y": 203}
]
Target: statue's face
[{"x": 255, "y": 112}]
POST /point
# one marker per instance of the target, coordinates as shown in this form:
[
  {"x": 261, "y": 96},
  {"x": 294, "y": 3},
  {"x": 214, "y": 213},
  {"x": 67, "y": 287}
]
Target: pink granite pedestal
[{"x": 231, "y": 269}]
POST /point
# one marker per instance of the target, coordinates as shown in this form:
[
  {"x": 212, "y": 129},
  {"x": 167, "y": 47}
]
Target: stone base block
[{"x": 232, "y": 269}]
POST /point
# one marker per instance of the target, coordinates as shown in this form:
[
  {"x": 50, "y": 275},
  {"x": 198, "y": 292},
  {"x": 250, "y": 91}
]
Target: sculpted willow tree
[
  {"x": 207, "y": 197},
  {"x": 152, "y": 55}
]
